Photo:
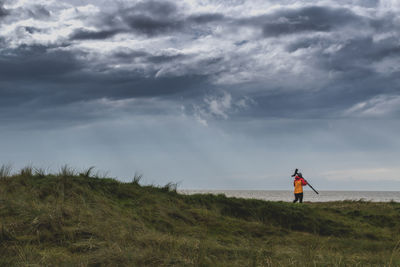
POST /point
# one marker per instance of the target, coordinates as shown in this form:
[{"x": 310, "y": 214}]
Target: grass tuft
[
  {"x": 26, "y": 171},
  {"x": 5, "y": 171},
  {"x": 87, "y": 172},
  {"x": 40, "y": 172},
  {"x": 66, "y": 171},
  {"x": 137, "y": 178},
  {"x": 170, "y": 187}
]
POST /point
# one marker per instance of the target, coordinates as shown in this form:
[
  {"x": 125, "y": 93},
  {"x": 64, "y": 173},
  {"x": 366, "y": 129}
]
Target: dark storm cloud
[
  {"x": 83, "y": 101},
  {"x": 32, "y": 29},
  {"x": 150, "y": 26},
  {"x": 83, "y": 34},
  {"x": 37, "y": 80},
  {"x": 152, "y": 18},
  {"x": 362, "y": 3},
  {"x": 54, "y": 75},
  {"x": 356, "y": 79},
  {"x": 354, "y": 55},
  {"x": 314, "y": 19},
  {"x": 331, "y": 101},
  {"x": 36, "y": 62},
  {"x": 385, "y": 23},
  {"x": 308, "y": 42},
  {"x": 164, "y": 58},
  {"x": 129, "y": 56},
  {"x": 149, "y": 18},
  {"x": 359, "y": 3},
  {"x": 353, "y": 61},
  {"x": 31, "y": 73},
  {"x": 362, "y": 52},
  {"x": 159, "y": 18},
  {"x": 3, "y": 12},
  {"x": 138, "y": 86},
  {"x": 155, "y": 8},
  {"x": 206, "y": 18}
]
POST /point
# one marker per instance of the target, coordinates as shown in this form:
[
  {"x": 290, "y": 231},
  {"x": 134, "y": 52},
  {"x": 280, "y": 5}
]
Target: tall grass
[
  {"x": 40, "y": 172},
  {"x": 87, "y": 172},
  {"x": 170, "y": 187},
  {"x": 137, "y": 178},
  {"x": 67, "y": 171},
  {"x": 396, "y": 250},
  {"x": 75, "y": 219},
  {"x": 26, "y": 171},
  {"x": 5, "y": 171}
]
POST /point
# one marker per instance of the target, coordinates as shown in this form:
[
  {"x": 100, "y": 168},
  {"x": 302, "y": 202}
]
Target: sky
[{"x": 210, "y": 94}]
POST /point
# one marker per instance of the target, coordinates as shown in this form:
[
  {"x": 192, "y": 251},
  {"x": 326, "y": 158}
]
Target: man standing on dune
[{"x": 298, "y": 187}]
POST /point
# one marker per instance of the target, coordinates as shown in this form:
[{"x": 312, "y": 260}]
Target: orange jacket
[{"x": 298, "y": 184}]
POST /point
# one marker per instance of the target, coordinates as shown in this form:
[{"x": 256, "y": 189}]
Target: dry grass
[{"x": 75, "y": 219}]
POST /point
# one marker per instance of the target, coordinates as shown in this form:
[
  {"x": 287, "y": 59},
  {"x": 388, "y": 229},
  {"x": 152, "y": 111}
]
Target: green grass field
[{"x": 72, "y": 219}]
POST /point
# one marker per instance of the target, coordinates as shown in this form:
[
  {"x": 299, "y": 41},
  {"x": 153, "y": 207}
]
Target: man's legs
[
  {"x": 296, "y": 197},
  {"x": 299, "y": 197}
]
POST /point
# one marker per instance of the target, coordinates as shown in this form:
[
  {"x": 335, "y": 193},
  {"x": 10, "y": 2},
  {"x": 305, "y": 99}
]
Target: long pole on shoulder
[
  {"x": 311, "y": 186},
  {"x": 294, "y": 174}
]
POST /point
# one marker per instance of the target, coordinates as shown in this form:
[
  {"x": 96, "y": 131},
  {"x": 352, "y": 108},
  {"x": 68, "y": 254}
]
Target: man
[{"x": 298, "y": 187}]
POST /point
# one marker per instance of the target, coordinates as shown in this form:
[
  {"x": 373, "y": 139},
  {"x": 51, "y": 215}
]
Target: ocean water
[{"x": 323, "y": 196}]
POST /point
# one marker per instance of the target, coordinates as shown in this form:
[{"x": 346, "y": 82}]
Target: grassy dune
[{"x": 72, "y": 219}]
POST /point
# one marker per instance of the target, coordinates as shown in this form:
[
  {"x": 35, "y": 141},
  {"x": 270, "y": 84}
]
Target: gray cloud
[
  {"x": 40, "y": 83},
  {"x": 35, "y": 63},
  {"x": 314, "y": 19},
  {"x": 30, "y": 65},
  {"x": 3, "y": 12},
  {"x": 38, "y": 12},
  {"x": 150, "y": 26},
  {"x": 152, "y": 17},
  {"x": 155, "y": 8},
  {"x": 32, "y": 30},
  {"x": 352, "y": 57},
  {"x": 149, "y": 18},
  {"x": 206, "y": 18},
  {"x": 82, "y": 34},
  {"x": 339, "y": 45},
  {"x": 33, "y": 11},
  {"x": 363, "y": 51}
]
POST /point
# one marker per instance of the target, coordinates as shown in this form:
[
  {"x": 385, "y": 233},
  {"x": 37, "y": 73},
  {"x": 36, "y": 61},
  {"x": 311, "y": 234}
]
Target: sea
[{"x": 309, "y": 196}]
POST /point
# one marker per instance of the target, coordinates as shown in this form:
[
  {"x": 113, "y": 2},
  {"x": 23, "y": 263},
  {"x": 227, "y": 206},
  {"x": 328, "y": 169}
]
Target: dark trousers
[{"x": 299, "y": 197}]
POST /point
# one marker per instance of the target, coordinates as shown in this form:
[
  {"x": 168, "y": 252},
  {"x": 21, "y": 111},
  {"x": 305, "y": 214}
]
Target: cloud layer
[{"x": 327, "y": 57}]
